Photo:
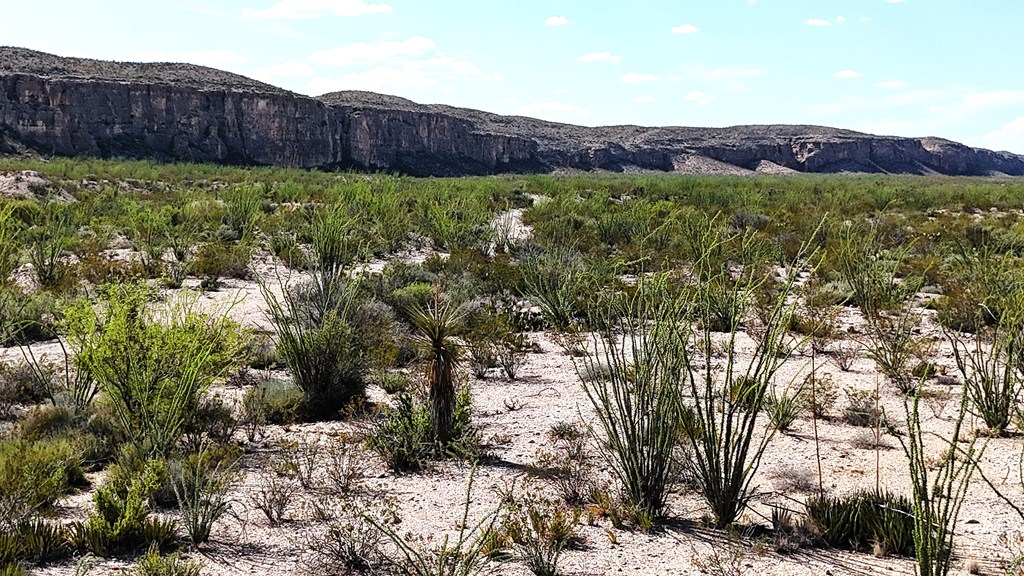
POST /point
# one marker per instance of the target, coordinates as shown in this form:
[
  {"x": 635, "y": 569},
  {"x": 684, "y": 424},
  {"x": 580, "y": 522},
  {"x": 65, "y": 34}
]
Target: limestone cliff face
[
  {"x": 71, "y": 117},
  {"x": 78, "y": 107}
]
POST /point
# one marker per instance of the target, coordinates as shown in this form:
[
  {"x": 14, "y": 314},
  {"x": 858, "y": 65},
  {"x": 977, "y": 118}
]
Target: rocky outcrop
[{"x": 176, "y": 112}]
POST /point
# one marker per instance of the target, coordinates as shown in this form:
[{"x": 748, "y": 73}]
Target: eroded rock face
[{"x": 78, "y": 107}]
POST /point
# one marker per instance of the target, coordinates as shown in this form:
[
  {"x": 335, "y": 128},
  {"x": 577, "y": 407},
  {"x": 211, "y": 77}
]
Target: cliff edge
[{"x": 180, "y": 112}]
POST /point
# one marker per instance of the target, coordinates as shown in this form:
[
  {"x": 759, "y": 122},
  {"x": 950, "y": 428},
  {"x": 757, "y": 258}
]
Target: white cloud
[
  {"x": 699, "y": 98},
  {"x": 816, "y": 22},
  {"x": 309, "y": 9},
  {"x": 401, "y": 76},
  {"x": 289, "y": 69},
  {"x": 685, "y": 29},
  {"x": 599, "y": 57},
  {"x": 557, "y": 21},
  {"x": 365, "y": 53},
  {"x": 413, "y": 64},
  {"x": 840, "y": 19},
  {"x": 212, "y": 58},
  {"x": 845, "y": 74},
  {"x": 980, "y": 101},
  {"x": 550, "y": 110},
  {"x": 1008, "y": 137},
  {"x": 893, "y": 84},
  {"x": 645, "y": 99},
  {"x": 638, "y": 78}
]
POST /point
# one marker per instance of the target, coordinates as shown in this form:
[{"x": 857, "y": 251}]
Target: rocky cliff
[{"x": 79, "y": 107}]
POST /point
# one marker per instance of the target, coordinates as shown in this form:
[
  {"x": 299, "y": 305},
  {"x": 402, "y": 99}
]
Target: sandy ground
[{"x": 515, "y": 416}]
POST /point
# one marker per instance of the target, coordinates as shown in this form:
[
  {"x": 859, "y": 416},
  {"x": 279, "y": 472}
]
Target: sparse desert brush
[
  {"x": 153, "y": 564},
  {"x": 566, "y": 463},
  {"x": 34, "y": 475},
  {"x": 786, "y": 407},
  {"x": 863, "y": 520}
]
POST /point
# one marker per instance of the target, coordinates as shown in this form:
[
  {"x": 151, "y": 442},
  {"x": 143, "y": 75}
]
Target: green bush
[
  {"x": 327, "y": 336},
  {"x": 201, "y": 483},
  {"x": 151, "y": 364},
  {"x": 215, "y": 260},
  {"x": 35, "y": 474},
  {"x": 24, "y": 317},
  {"x": 784, "y": 409},
  {"x": 153, "y": 564},
  {"x": 271, "y": 401},
  {"x": 864, "y": 520},
  {"x": 120, "y": 523},
  {"x": 404, "y": 437}
]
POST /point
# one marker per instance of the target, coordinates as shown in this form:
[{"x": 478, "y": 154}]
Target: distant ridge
[{"x": 173, "y": 112}]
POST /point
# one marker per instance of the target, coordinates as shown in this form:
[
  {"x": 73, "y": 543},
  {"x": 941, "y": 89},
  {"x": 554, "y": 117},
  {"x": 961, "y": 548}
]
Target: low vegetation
[{"x": 710, "y": 320}]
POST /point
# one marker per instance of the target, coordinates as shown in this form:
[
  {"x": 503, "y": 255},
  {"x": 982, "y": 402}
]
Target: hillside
[{"x": 179, "y": 112}]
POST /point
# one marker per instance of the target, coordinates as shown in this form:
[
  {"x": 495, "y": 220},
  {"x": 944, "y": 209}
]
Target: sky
[{"x": 948, "y": 68}]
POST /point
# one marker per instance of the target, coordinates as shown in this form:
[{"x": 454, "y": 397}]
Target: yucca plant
[{"x": 437, "y": 330}]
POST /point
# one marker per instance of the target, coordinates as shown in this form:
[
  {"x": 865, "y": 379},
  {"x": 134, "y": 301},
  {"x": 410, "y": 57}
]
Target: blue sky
[{"x": 947, "y": 68}]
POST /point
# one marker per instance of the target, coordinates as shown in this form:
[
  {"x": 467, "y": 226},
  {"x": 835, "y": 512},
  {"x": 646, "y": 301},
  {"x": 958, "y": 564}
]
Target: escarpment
[{"x": 177, "y": 112}]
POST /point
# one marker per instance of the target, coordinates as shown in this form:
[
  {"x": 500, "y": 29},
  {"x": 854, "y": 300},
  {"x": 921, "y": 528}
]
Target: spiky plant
[{"x": 437, "y": 330}]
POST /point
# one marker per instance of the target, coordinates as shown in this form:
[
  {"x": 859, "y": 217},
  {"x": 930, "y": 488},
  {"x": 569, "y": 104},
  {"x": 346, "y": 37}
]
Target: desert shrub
[
  {"x": 864, "y": 520},
  {"x": 35, "y": 474},
  {"x": 120, "y": 521},
  {"x": 821, "y": 393},
  {"x": 539, "y": 531},
  {"x": 411, "y": 297},
  {"x": 993, "y": 368},
  {"x": 329, "y": 337},
  {"x": 784, "y": 409},
  {"x": 242, "y": 206},
  {"x": 151, "y": 368},
  {"x": 346, "y": 464},
  {"x": 261, "y": 352},
  {"x": 271, "y": 401},
  {"x": 637, "y": 400},
  {"x": 21, "y": 384},
  {"x": 844, "y": 353},
  {"x": 153, "y": 564},
  {"x": 47, "y": 241},
  {"x": 201, "y": 483},
  {"x": 723, "y": 432},
  {"x": 394, "y": 382},
  {"x": 404, "y": 436},
  {"x": 46, "y": 422},
  {"x": 861, "y": 409},
  {"x": 214, "y": 260},
  {"x": 567, "y": 464},
  {"x": 349, "y": 544},
  {"x": 10, "y": 245},
  {"x": 561, "y": 282},
  {"x": 24, "y": 317},
  {"x": 212, "y": 420},
  {"x": 273, "y": 496}
]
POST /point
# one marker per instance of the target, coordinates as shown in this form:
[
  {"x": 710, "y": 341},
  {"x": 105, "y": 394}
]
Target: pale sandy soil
[{"x": 515, "y": 416}]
